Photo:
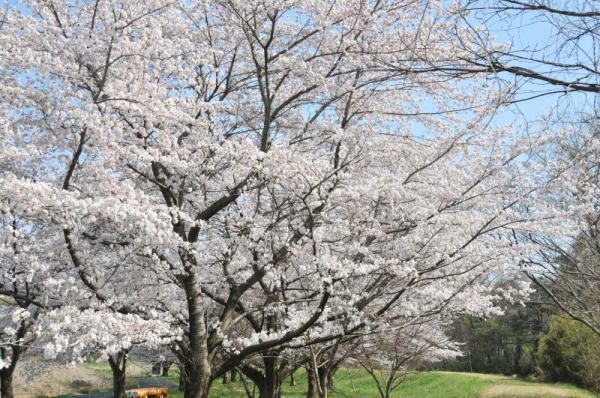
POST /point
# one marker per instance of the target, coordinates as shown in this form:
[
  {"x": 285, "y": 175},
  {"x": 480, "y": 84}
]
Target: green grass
[
  {"x": 441, "y": 385},
  {"x": 99, "y": 367},
  {"x": 134, "y": 369},
  {"x": 354, "y": 383}
]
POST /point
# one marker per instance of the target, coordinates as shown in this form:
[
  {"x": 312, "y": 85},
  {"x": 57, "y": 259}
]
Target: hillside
[{"x": 350, "y": 383}]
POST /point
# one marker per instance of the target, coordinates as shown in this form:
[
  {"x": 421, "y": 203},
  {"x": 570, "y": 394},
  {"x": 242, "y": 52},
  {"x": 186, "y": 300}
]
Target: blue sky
[{"x": 524, "y": 32}]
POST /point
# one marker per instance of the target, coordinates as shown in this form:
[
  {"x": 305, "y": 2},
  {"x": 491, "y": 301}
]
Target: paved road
[{"x": 142, "y": 383}]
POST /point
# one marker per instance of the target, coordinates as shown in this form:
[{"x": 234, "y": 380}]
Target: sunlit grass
[{"x": 355, "y": 383}]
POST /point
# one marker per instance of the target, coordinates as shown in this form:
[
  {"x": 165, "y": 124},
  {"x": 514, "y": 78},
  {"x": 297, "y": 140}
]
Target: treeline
[
  {"x": 530, "y": 340},
  {"x": 555, "y": 336}
]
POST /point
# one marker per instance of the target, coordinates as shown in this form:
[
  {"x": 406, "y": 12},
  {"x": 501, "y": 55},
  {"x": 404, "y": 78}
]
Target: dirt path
[
  {"x": 509, "y": 387},
  {"x": 527, "y": 390}
]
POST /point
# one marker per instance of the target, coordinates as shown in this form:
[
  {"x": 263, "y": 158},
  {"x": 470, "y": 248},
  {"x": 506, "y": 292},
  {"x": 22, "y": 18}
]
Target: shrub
[{"x": 570, "y": 352}]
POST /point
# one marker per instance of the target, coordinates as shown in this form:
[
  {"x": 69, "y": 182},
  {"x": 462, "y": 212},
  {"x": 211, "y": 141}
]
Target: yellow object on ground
[{"x": 147, "y": 393}]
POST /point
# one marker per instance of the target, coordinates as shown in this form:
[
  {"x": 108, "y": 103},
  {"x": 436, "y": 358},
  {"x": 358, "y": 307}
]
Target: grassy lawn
[
  {"x": 134, "y": 369},
  {"x": 354, "y": 383}
]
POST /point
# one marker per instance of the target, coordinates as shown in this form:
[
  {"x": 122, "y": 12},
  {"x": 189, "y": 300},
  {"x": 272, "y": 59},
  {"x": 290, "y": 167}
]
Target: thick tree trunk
[
  {"x": 197, "y": 387},
  {"x": 323, "y": 374},
  {"x": 6, "y": 387},
  {"x": 165, "y": 369},
  {"x": 198, "y": 369},
  {"x": 271, "y": 385},
  {"x": 331, "y": 377},
  {"x": 311, "y": 392},
  {"x": 182, "y": 377},
  {"x": 269, "y": 380},
  {"x": 324, "y": 392},
  {"x": 118, "y": 365},
  {"x": 12, "y": 355},
  {"x": 268, "y": 391},
  {"x": 233, "y": 375},
  {"x": 225, "y": 378}
]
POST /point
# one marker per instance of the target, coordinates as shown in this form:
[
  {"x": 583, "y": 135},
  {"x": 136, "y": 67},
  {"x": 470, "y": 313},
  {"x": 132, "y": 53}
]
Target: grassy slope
[{"x": 352, "y": 383}]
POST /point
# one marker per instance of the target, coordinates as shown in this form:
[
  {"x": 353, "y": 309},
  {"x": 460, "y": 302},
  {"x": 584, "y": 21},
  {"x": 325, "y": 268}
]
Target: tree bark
[
  {"x": 312, "y": 385},
  {"x": 323, "y": 374},
  {"x": 118, "y": 365},
  {"x": 269, "y": 380},
  {"x": 271, "y": 386},
  {"x": 182, "y": 377},
  {"x": 165, "y": 369},
  {"x": 6, "y": 374},
  {"x": 331, "y": 377},
  {"x": 197, "y": 383},
  {"x": 198, "y": 369},
  {"x": 6, "y": 387}
]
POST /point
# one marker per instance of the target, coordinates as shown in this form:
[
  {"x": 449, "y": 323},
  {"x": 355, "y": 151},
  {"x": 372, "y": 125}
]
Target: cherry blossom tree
[
  {"x": 26, "y": 290},
  {"x": 92, "y": 334},
  {"x": 387, "y": 357},
  {"x": 566, "y": 265},
  {"x": 262, "y": 176},
  {"x": 562, "y": 60},
  {"x": 16, "y": 337}
]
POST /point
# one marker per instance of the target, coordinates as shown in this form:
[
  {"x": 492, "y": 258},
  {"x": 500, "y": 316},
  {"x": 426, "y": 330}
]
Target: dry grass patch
[
  {"x": 522, "y": 390},
  {"x": 57, "y": 381},
  {"x": 510, "y": 387}
]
